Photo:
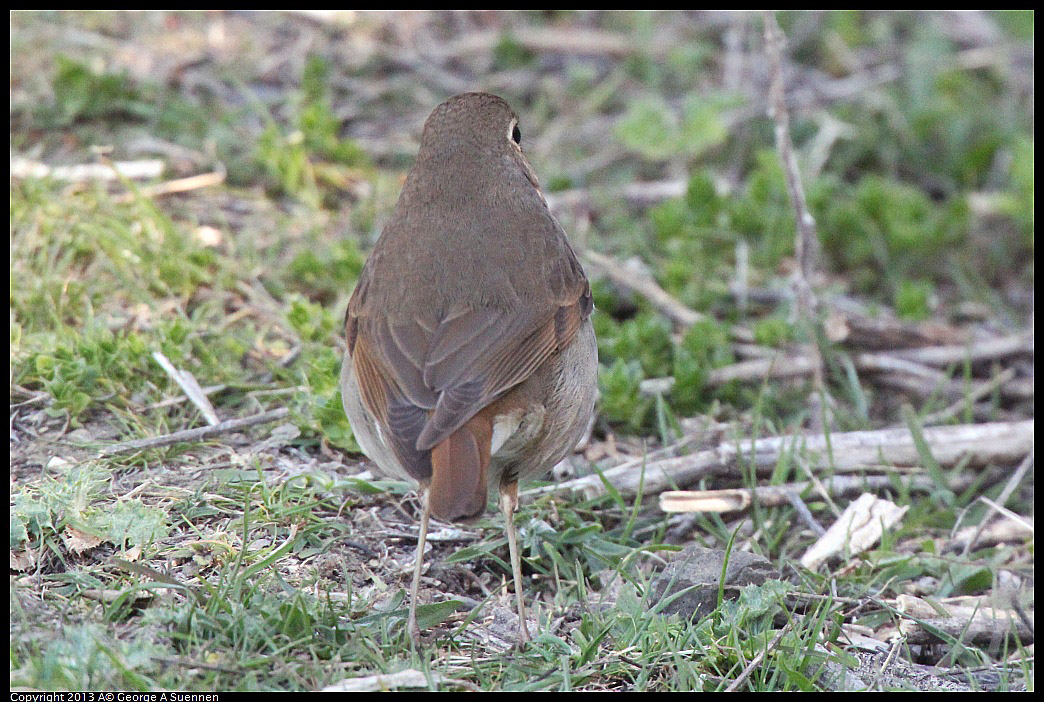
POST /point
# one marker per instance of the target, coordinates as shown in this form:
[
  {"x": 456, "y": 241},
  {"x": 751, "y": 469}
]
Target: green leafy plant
[{"x": 653, "y": 129}]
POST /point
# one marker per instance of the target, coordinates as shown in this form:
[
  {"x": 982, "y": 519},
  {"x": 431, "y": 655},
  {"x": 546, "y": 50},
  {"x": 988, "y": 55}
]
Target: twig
[
  {"x": 752, "y": 666},
  {"x": 701, "y": 434},
  {"x": 885, "y": 363},
  {"x": 208, "y": 390},
  {"x": 651, "y": 387},
  {"x": 423, "y": 66},
  {"x": 81, "y": 172},
  {"x": 927, "y": 386},
  {"x": 851, "y": 324},
  {"x": 35, "y": 396},
  {"x": 830, "y": 131},
  {"x": 983, "y": 390},
  {"x": 885, "y": 369},
  {"x": 290, "y": 356},
  {"x": 806, "y": 243},
  {"x": 989, "y": 533},
  {"x": 979, "y": 443},
  {"x": 974, "y": 625},
  {"x": 908, "y": 376},
  {"x": 180, "y": 185},
  {"x": 740, "y": 285},
  {"x": 974, "y": 352},
  {"x": 647, "y": 288},
  {"x": 777, "y": 367},
  {"x": 805, "y": 514},
  {"x": 196, "y": 434},
  {"x": 642, "y": 194},
  {"x": 738, "y": 499},
  {"x": 1024, "y": 617},
  {"x": 1004, "y": 511},
  {"x": 820, "y": 487},
  {"x": 735, "y": 57},
  {"x": 1015, "y": 480}
]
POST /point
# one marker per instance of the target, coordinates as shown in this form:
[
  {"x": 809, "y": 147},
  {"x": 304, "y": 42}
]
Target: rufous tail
[{"x": 459, "y": 464}]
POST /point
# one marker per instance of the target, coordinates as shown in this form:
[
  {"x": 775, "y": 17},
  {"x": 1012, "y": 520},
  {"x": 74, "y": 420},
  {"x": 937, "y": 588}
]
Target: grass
[{"x": 260, "y": 561}]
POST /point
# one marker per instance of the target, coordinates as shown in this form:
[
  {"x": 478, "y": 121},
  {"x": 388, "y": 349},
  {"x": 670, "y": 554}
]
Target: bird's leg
[
  {"x": 411, "y": 622},
  {"x": 508, "y": 504}
]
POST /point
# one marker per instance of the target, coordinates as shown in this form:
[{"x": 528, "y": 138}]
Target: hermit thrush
[{"x": 471, "y": 359}]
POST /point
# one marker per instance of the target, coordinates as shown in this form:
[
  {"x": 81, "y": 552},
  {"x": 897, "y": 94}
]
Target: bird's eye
[{"x": 516, "y": 133}]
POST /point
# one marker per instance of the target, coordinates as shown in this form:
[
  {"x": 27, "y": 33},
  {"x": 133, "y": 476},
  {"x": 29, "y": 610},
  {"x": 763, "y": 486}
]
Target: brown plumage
[{"x": 471, "y": 360}]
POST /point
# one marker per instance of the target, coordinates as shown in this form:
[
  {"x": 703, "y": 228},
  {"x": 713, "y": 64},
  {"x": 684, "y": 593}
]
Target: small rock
[
  {"x": 82, "y": 436},
  {"x": 701, "y": 567},
  {"x": 57, "y": 464}
]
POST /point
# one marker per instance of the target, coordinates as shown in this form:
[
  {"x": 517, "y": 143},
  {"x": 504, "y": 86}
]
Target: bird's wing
[{"x": 424, "y": 378}]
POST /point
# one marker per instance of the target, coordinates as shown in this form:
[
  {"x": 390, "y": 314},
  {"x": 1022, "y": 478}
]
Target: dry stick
[
  {"x": 778, "y": 367},
  {"x": 643, "y": 194},
  {"x": 120, "y": 169},
  {"x": 208, "y": 390},
  {"x": 887, "y": 369},
  {"x": 738, "y": 499},
  {"x": 775, "y": 366},
  {"x": 180, "y": 185},
  {"x": 82, "y": 172},
  {"x": 923, "y": 623},
  {"x": 742, "y": 678},
  {"x": 648, "y": 288},
  {"x": 196, "y": 434},
  {"x": 1006, "y": 493},
  {"x": 820, "y": 488},
  {"x": 584, "y": 120},
  {"x": 942, "y": 386},
  {"x": 741, "y": 281},
  {"x": 187, "y": 663},
  {"x": 805, "y": 514},
  {"x": 806, "y": 243},
  {"x": 426, "y": 68},
  {"x": 884, "y": 363},
  {"x": 1024, "y": 617},
  {"x": 645, "y": 286},
  {"x": 980, "y": 443},
  {"x": 34, "y": 397},
  {"x": 948, "y": 413},
  {"x": 673, "y": 449},
  {"x": 856, "y": 328},
  {"x": 1024, "y": 522},
  {"x": 735, "y": 53},
  {"x": 991, "y": 534},
  {"x": 754, "y": 351},
  {"x": 926, "y": 382},
  {"x": 977, "y": 351}
]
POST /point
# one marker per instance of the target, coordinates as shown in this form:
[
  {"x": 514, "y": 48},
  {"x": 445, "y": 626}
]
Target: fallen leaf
[{"x": 78, "y": 541}]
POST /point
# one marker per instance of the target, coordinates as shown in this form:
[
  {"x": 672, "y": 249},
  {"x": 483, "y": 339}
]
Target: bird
[{"x": 471, "y": 360}]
